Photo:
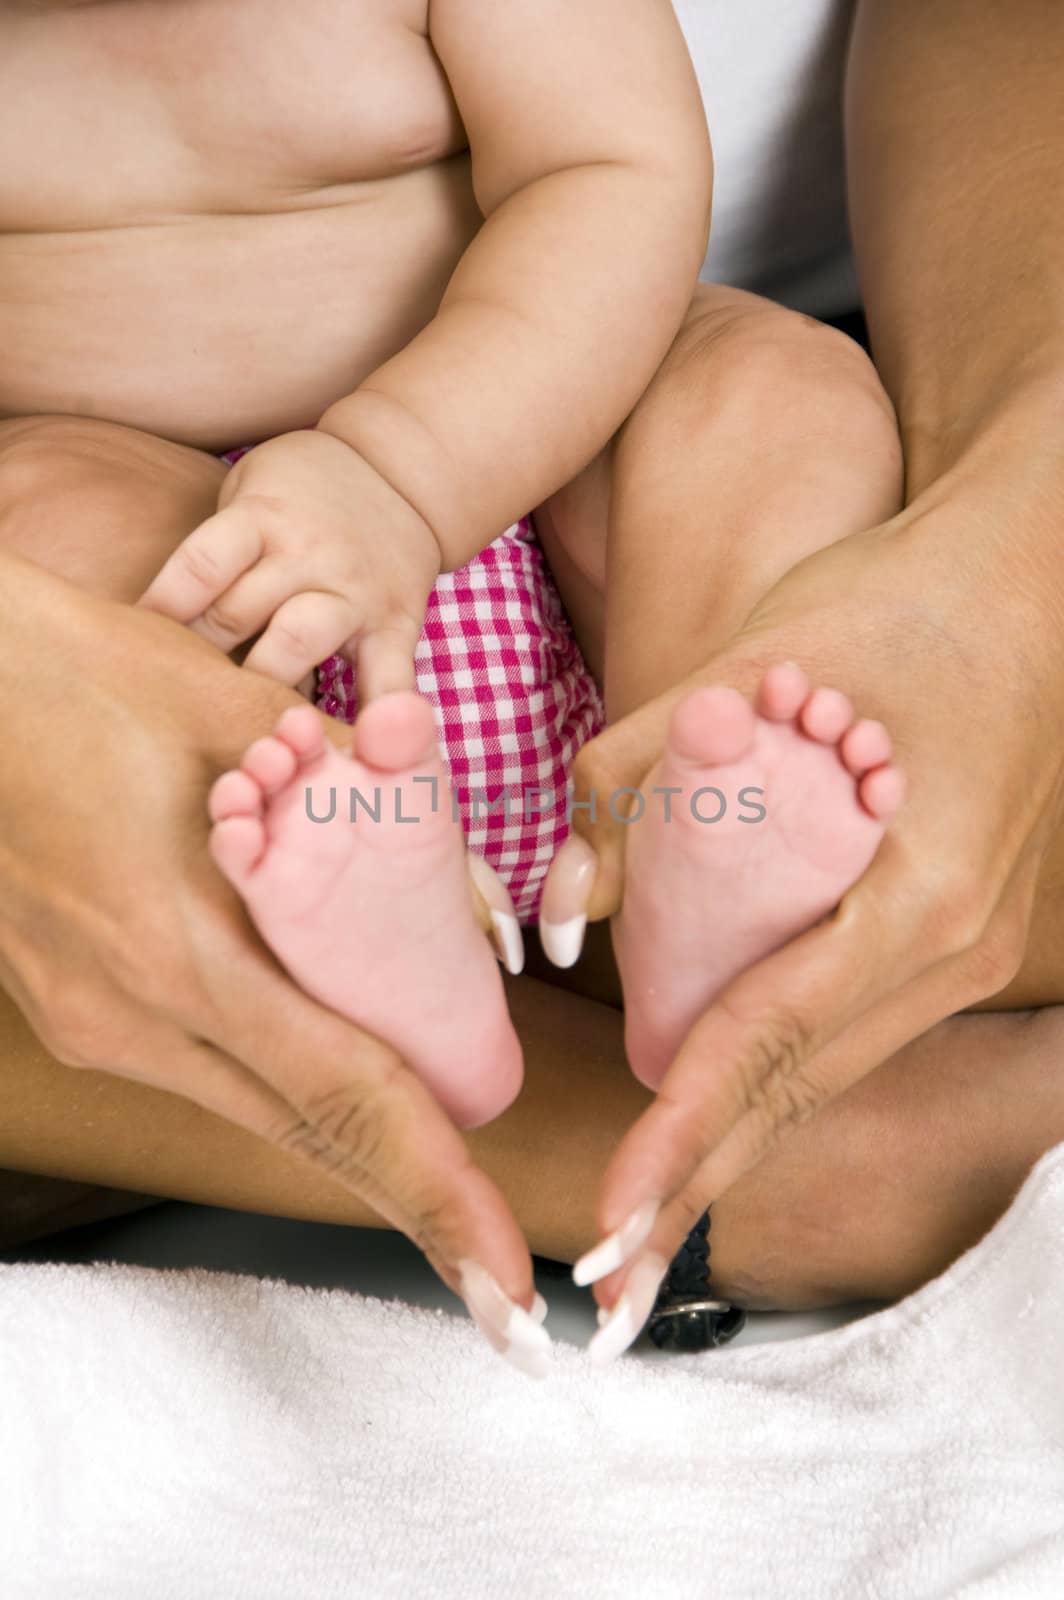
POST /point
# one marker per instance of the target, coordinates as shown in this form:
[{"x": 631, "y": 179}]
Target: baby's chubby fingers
[
  {"x": 245, "y": 609},
  {"x": 206, "y": 564},
  {"x": 303, "y": 631},
  {"x": 385, "y": 658}
]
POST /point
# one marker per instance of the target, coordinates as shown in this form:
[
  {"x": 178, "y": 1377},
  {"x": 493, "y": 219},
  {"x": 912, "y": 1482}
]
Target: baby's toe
[
  {"x": 237, "y": 845},
  {"x": 782, "y": 692},
  {"x": 881, "y": 792},
  {"x": 397, "y": 732},
  {"x": 864, "y": 746},
  {"x": 236, "y": 794},
  {"x": 826, "y": 715},
  {"x": 711, "y": 727},
  {"x": 271, "y": 763},
  {"x": 301, "y": 730}
]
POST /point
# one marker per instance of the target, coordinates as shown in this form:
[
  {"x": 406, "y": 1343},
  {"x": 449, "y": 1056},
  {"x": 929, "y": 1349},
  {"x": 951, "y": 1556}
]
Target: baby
[{"x": 431, "y": 254}]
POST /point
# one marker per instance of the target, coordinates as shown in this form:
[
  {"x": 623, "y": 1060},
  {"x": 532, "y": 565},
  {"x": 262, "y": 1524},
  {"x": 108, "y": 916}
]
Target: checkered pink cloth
[{"x": 514, "y": 702}]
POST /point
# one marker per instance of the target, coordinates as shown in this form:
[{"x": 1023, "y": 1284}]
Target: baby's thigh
[{"x": 99, "y": 504}]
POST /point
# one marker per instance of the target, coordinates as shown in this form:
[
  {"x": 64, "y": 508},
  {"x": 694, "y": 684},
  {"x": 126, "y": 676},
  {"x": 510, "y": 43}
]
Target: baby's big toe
[
  {"x": 711, "y": 727},
  {"x": 396, "y": 732}
]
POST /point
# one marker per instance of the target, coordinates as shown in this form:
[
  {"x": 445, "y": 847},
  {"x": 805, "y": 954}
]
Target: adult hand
[
  {"x": 945, "y": 623},
  {"x": 127, "y": 951}
]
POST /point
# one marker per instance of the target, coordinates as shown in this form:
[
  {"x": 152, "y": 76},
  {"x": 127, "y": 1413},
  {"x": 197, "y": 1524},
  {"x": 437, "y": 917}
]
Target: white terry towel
[{"x": 188, "y": 1435}]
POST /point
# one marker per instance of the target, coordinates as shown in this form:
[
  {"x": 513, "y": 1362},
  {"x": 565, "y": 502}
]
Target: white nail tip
[
  {"x": 525, "y": 1343},
  {"x": 618, "y": 1247},
  {"x": 522, "y": 1330},
  {"x": 615, "y": 1335},
  {"x": 509, "y": 942},
  {"x": 563, "y": 941},
  {"x": 539, "y": 1309},
  {"x": 602, "y": 1316},
  {"x": 624, "y": 1324}
]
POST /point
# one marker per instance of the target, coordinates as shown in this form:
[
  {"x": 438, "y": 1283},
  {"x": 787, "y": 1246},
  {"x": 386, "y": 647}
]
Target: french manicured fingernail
[
  {"x": 602, "y": 1315},
  {"x": 624, "y": 1323},
  {"x": 618, "y": 1247},
  {"x": 505, "y": 928},
  {"x": 508, "y": 942},
  {"x": 513, "y": 1332},
  {"x": 534, "y": 1363},
  {"x": 566, "y": 893},
  {"x": 563, "y": 941},
  {"x": 539, "y": 1309}
]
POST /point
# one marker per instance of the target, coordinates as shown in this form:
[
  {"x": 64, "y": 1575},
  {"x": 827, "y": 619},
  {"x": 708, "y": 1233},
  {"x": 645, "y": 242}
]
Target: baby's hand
[{"x": 314, "y": 550}]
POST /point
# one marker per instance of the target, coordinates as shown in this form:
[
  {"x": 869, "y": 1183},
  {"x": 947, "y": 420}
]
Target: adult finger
[
  {"x": 952, "y": 984},
  {"x": 652, "y": 1235},
  {"x": 359, "y": 1112},
  {"x": 759, "y": 1058},
  {"x": 494, "y": 910}
]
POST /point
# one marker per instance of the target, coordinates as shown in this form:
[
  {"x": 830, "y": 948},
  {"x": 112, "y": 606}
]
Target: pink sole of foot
[
  {"x": 774, "y": 811},
  {"x": 367, "y": 903}
]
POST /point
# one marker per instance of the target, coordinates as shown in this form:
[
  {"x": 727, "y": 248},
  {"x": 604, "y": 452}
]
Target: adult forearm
[
  {"x": 955, "y": 125},
  {"x": 547, "y": 1153}
]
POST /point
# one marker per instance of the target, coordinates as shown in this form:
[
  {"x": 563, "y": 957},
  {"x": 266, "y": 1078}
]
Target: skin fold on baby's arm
[{"x": 592, "y": 168}]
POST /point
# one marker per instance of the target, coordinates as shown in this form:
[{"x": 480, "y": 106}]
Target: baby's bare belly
[
  {"x": 214, "y": 330},
  {"x": 218, "y": 216}
]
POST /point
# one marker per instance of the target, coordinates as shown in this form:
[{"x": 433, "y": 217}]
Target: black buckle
[{"x": 695, "y": 1325}]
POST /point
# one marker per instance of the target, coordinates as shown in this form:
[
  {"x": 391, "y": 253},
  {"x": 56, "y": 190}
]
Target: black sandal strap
[{"x": 687, "y": 1315}]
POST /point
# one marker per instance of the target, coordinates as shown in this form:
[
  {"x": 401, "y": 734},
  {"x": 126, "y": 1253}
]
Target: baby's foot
[
  {"x": 807, "y": 793},
  {"x": 373, "y": 917}
]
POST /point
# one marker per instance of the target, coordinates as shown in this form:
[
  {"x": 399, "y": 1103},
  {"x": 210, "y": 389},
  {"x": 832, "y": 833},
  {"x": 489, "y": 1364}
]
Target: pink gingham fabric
[
  {"x": 514, "y": 702},
  {"x": 513, "y": 699}
]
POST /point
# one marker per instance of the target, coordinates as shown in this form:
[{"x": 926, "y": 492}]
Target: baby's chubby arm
[
  {"x": 592, "y": 167},
  {"x": 591, "y": 164}
]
